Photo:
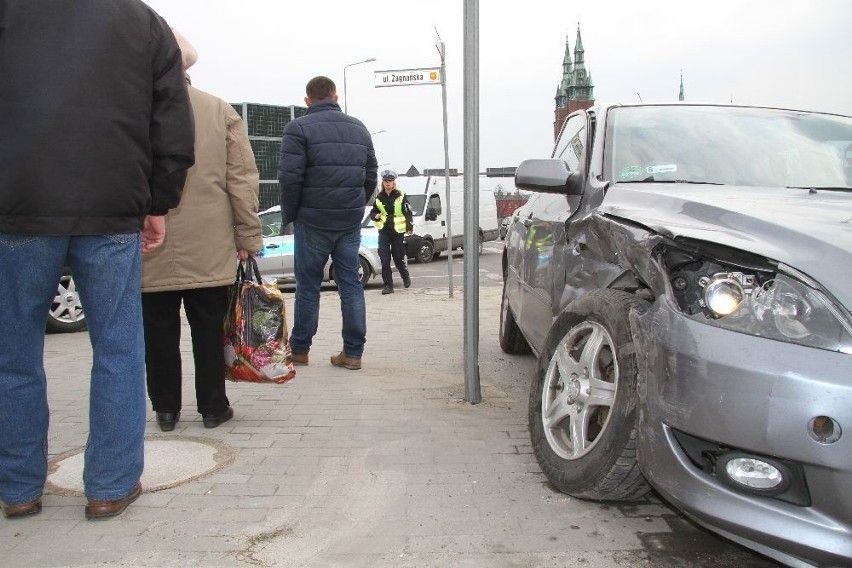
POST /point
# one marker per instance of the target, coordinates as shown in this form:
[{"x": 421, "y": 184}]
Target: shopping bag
[{"x": 257, "y": 349}]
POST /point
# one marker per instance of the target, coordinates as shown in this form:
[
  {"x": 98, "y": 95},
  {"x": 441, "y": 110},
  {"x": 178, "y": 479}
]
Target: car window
[
  {"x": 416, "y": 202},
  {"x": 435, "y": 203},
  {"x": 572, "y": 142},
  {"x": 270, "y": 224},
  {"x": 730, "y": 146}
]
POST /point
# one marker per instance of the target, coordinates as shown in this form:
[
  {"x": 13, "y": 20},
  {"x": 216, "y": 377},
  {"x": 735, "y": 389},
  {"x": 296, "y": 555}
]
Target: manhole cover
[{"x": 198, "y": 457}]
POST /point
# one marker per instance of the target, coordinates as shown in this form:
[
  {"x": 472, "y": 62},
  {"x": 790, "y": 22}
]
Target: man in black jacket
[
  {"x": 96, "y": 139},
  {"x": 327, "y": 172}
]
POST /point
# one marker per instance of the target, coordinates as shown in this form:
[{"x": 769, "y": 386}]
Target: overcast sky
[{"x": 787, "y": 53}]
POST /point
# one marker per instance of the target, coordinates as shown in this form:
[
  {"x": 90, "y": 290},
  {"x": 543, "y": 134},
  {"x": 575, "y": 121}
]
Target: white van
[{"x": 428, "y": 198}]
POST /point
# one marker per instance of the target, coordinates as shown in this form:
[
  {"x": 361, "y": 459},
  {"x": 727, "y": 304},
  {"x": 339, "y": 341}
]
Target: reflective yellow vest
[{"x": 398, "y": 216}]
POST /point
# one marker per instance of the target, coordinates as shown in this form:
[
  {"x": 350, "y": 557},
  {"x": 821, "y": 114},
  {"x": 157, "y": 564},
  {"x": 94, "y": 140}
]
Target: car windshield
[
  {"x": 729, "y": 145},
  {"x": 271, "y": 223},
  {"x": 417, "y": 202}
]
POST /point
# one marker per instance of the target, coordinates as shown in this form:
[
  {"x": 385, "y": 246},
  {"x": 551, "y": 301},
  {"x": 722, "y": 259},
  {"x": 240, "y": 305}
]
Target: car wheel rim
[
  {"x": 66, "y": 305},
  {"x": 504, "y": 311},
  {"x": 579, "y": 390}
]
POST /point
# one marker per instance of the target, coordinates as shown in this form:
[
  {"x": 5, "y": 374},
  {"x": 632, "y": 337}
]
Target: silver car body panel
[{"x": 733, "y": 389}]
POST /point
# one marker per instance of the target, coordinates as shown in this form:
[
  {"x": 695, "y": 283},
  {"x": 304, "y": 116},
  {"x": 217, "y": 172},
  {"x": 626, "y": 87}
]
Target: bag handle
[{"x": 247, "y": 271}]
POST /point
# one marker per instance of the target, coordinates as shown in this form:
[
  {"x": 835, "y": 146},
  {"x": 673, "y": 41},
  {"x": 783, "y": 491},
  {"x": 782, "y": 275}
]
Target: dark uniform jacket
[
  {"x": 388, "y": 203},
  {"x": 95, "y": 121},
  {"x": 327, "y": 168}
]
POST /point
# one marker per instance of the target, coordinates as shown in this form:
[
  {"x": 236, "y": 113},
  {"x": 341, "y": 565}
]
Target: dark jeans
[
  {"x": 392, "y": 245},
  {"x": 313, "y": 247},
  {"x": 205, "y": 310}
]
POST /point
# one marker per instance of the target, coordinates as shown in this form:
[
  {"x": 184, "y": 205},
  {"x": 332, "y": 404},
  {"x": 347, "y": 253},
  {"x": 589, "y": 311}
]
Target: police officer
[{"x": 392, "y": 214}]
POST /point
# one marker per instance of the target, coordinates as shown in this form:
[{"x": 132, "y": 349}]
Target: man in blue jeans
[
  {"x": 327, "y": 173},
  {"x": 96, "y": 139}
]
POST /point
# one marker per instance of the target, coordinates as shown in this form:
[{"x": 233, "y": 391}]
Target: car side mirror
[
  {"x": 548, "y": 176},
  {"x": 431, "y": 214}
]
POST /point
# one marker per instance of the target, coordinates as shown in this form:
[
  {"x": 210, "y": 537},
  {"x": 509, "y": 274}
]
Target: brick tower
[{"x": 576, "y": 90}]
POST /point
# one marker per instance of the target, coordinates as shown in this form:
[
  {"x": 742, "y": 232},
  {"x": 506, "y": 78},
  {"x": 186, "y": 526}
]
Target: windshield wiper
[
  {"x": 650, "y": 179},
  {"x": 818, "y": 188}
]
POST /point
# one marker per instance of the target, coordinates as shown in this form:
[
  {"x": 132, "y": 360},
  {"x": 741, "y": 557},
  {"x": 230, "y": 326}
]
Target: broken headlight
[{"x": 767, "y": 303}]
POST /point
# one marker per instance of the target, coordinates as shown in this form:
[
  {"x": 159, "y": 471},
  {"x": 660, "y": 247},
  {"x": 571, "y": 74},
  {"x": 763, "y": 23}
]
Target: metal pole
[
  {"x": 345, "y": 109},
  {"x": 473, "y": 393},
  {"x": 441, "y": 51}
]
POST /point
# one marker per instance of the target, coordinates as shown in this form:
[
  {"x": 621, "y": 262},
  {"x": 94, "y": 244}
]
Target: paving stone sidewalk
[{"x": 386, "y": 466}]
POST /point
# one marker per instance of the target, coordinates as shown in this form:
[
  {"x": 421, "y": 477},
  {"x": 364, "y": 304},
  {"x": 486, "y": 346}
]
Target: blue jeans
[
  {"x": 312, "y": 249},
  {"x": 106, "y": 270}
]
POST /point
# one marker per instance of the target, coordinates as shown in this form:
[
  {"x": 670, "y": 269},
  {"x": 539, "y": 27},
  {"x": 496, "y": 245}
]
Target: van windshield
[{"x": 417, "y": 202}]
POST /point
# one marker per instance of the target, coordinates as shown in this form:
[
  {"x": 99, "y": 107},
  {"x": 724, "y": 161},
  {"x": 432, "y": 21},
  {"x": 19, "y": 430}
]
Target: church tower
[{"x": 576, "y": 90}]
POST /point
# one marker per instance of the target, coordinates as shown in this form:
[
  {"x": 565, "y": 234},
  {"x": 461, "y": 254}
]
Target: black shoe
[
  {"x": 167, "y": 420},
  {"x": 406, "y": 281},
  {"x": 387, "y": 290},
  {"x": 213, "y": 420}
]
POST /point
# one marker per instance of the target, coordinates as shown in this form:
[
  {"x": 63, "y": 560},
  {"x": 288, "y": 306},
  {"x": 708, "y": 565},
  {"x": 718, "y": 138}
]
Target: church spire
[
  {"x": 566, "y": 60},
  {"x": 578, "y": 48}
]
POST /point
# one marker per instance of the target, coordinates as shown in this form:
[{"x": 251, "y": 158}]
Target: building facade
[
  {"x": 576, "y": 90},
  {"x": 265, "y": 125}
]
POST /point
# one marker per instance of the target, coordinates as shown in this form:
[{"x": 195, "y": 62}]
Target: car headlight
[
  {"x": 723, "y": 295},
  {"x": 769, "y": 304}
]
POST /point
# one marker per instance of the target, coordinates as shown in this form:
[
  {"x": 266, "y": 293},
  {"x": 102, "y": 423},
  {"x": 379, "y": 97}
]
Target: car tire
[
  {"x": 66, "y": 313},
  {"x": 511, "y": 339},
  {"x": 365, "y": 273},
  {"x": 583, "y": 424},
  {"x": 426, "y": 252}
]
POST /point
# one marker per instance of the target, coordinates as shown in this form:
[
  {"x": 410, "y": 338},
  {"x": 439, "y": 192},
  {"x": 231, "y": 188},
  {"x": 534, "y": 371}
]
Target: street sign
[{"x": 406, "y": 77}]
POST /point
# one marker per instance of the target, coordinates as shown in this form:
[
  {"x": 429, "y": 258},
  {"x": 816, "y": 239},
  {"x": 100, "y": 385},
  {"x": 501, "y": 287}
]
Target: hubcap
[{"x": 580, "y": 386}]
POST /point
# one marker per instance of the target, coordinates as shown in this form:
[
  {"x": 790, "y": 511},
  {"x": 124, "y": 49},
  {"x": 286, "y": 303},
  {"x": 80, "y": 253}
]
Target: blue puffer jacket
[{"x": 327, "y": 168}]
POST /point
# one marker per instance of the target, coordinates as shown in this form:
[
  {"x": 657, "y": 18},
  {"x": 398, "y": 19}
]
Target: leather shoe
[
  {"x": 21, "y": 509},
  {"x": 299, "y": 358},
  {"x": 341, "y": 360},
  {"x": 406, "y": 281},
  {"x": 213, "y": 420},
  {"x": 387, "y": 290},
  {"x": 98, "y": 509},
  {"x": 167, "y": 420}
]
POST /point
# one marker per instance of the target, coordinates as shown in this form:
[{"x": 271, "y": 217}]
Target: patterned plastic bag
[{"x": 257, "y": 349}]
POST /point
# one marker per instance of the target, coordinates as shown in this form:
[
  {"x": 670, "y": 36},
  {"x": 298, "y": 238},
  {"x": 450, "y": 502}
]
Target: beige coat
[{"x": 217, "y": 214}]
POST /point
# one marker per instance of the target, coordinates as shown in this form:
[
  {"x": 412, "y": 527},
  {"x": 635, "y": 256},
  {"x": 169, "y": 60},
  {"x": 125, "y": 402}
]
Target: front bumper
[{"x": 757, "y": 396}]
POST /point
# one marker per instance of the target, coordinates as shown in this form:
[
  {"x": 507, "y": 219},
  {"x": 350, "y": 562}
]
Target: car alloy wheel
[
  {"x": 582, "y": 411},
  {"x": 66, "y": 312}
]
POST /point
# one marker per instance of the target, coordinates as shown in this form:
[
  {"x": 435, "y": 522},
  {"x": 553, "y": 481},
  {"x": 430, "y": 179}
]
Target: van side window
[
  {"x": 572, "y": 142},
  {"x": 435, "y": 203}
]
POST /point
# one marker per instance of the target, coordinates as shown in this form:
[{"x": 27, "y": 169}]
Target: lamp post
[{"x": 344, "y": 78}]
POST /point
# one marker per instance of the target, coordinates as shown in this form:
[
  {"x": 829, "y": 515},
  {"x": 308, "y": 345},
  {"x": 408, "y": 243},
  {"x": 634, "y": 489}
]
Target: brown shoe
[
  {"x": 299, "y": 358},
  {"x": 21, "y": 509},
  {"x": 97, "y": 509},
  {"x": 341, "y": 360}
]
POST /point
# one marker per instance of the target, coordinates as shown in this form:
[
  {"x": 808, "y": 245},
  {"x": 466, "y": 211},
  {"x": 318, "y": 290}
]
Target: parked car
[
  {"x": 682, "y": 273},
  {"x": 275, "y": 261},
  {"x": 66, "y": 313},
  {"x": 504, "y": 226}
]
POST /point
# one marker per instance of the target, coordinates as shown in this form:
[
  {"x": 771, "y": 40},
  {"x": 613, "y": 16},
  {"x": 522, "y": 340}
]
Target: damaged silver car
[{"x": 684, "y": 275}]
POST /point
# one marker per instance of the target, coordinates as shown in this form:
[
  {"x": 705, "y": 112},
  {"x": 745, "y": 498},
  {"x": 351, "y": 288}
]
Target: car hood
[{"x": 811, "y": 232}]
